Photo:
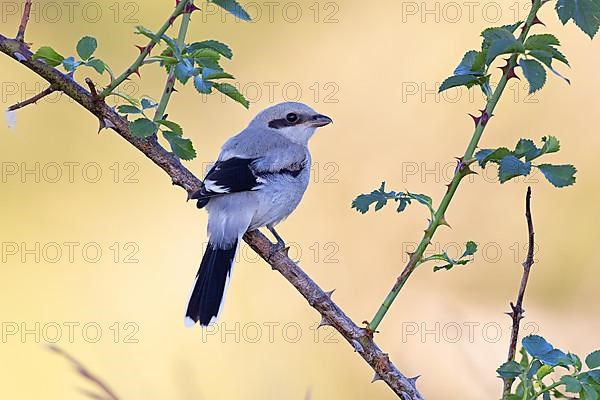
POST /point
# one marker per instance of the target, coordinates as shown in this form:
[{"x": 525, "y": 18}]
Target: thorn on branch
[
  {"x": 482, "y": 119},
  {"x": 509, "y": 71},
  {"x": 324, "y": 322},
  {"x": 376, "y": 378}
]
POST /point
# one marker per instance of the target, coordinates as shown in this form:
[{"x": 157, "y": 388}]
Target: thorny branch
[
  {"x": 24, "y": 20},
  {"x": 87, "y": 374},
  {"x": 517, "y": 312},
  {"x": 360, "y": 338}
]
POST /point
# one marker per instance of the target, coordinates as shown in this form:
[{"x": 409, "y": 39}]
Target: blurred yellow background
[{"x": 99, "y": 251}]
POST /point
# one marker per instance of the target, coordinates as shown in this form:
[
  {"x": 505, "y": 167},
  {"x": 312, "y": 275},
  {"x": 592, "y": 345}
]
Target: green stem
[
  {"x": 145, "y": 51},
  {"x": 166, "y": 96},
  {"x": 461, "y": 171}
]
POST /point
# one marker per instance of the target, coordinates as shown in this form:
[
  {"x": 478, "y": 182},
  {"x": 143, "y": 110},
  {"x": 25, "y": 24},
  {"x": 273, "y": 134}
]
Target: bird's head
[{"x": 295, "y": 121}]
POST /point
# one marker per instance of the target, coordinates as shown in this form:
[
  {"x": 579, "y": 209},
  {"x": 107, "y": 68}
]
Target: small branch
[
  {"x": 359, "y": 338},
  {"x": 462, "y": 170},
  {"x": 516, "y": 313},
  {"x": 49, "y": 90},
  {"x": 145, "y": 51},
  {"x": 24, "y": 20},
  {"x": 83, "y": 371},
  {"x": 168, "y": 90}
]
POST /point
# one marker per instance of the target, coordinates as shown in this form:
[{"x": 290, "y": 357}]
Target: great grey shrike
[{"x": 258, "y": 180}]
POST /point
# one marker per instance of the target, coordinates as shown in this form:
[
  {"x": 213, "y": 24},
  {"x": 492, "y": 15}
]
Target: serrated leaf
[
  {"x": 128, "y": 109},
  {"x": 536, "y": 345},
  {"x": 173, "y": 126},
  {"x": 231, "y": 92},
  {"x": 511, "y": 167},
  {"x": 559, "y": 175},
  {"x": 148, "y": 103},
  {"x": 551, "y": 145},
  {"x": 217, "y": 46},
  {"x": 97, "y": 64},
  {"x": 181, "y": 147},
  {"x": 554, "y": 357},
  {"x": 526, "y": 148},
  {"x": 510, "y": 370},
  {"x": 546, "y": 57},
  {"x": 466, "y": 65},
  {"x": 544, "y": 371},
  {"x": 86, "y": 47},
  {"x": 233, "y": 7},
  {"x": 185, "y": 70},
  {"x": 572, "y": 385},
  {"x": 461, "y": 80},
  {"x": 142, "y": 127},
  {"x": 362, "y": 202},
  {"x": 471, "y": 248},
  {"x": 211, "y": 73},
  {"x": 49, "y": 55},
  {"x": 585, "y": 14},
  {"x": 589, "y": 393},
  {"x": 541, "y": 42},
  {"x": 534, "y": 73},
  {"x": 593, "y": 359},
  {"x": 422, "y": 198},
  {"x": 499, "y": 41},
  {"x": 203, "y": 86},
  {"x": 491, "y": 155}
]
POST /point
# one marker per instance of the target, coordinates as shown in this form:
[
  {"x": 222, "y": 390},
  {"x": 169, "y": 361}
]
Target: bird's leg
[{"x": 280, "y": 245}]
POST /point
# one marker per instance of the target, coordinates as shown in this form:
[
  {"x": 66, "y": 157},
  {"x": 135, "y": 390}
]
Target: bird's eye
[{"x": 292, "y": 117}]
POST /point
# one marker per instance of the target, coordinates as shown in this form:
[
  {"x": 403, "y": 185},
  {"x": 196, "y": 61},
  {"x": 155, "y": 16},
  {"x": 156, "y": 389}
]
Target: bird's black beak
[{"x": 320, "y": 120}]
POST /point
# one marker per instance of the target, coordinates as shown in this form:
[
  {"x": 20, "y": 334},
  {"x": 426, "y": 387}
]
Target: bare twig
[
  {"x": 517, "y": 311},
  {"x": 331, "y": 314},
  {"x": 24, "y": 20},
  {"x": 49, "y": 90},
  {"x": 87, "y": 374}
]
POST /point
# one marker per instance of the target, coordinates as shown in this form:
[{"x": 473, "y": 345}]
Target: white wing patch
[{"x": 212, "y": 186}]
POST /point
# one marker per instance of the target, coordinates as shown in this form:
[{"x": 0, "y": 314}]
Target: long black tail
[{"x": 211, "y": 282}]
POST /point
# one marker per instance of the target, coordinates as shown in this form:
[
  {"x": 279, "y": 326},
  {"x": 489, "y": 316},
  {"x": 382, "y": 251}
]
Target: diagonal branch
[
  {"x": 360, "y": 339},
  {"x": 87, "y": 374},
  {"x": 517, "y": 312},
  {"x": 24, "y": 20},
  {"x": 34, "y": 99}
]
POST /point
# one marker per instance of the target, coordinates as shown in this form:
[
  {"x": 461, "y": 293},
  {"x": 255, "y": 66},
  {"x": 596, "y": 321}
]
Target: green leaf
[
  {"x": 362, "y": 202},
  {"x": 461, "y": 80},
  {"x": 546, "y": 57},
  {"x": 176, "y": 128},
  {"x": 510, "y": 370},
  {"x": 127, "y": 109},
  {"x": 142, "y": 128},
  {"x": 526, "y": 148},
  {"x": 148, "y": 103},
  {"x": 49, "y": 55},
  {"x": 230, "y": 91},
  {"x": 536, "y": 345},
  {"x": 589, "y": 393},
  {"x": 219, "y": 47},
  {"x": 572, "y": 385},
  {"x": 551, "y": 145},
  {"x": 593, "y": 360},
  {"x": 233, "y": 7},
  {"x": 471, "y": 248},
  {"x": 86, "y": 47},
  {"x": 97, "y": 64},
  {"x": 555, "y": 357},
  {"x": 491, "y": 155},
  {"x": 585, "y": 14},
  {"x": 210, "y": 73},
  {"x": 70, "y": 64},
  {"x": 534, "y": 73},
  {"x": 466, "y": 65},
  {"x": 203, "y": 86},
  {"x": 185, "y": 70},
  {"x": 499, "y": 41},
  {"x": 511, "y": 167},
  {"x": 544, "y": 371},
  {"x": 181, "y": 147},
  {"x": 423, "y": 199},
  {"x": 541, "y": 42},
  {"x": 130, "y": 99},
  {"x": 559, "y": 175}
]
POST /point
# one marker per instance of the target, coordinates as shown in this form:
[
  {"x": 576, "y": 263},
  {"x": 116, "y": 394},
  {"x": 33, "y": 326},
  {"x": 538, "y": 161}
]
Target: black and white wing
[
  {"x": 228, "y": 176},
  {"x": 236, "y": 175}
]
